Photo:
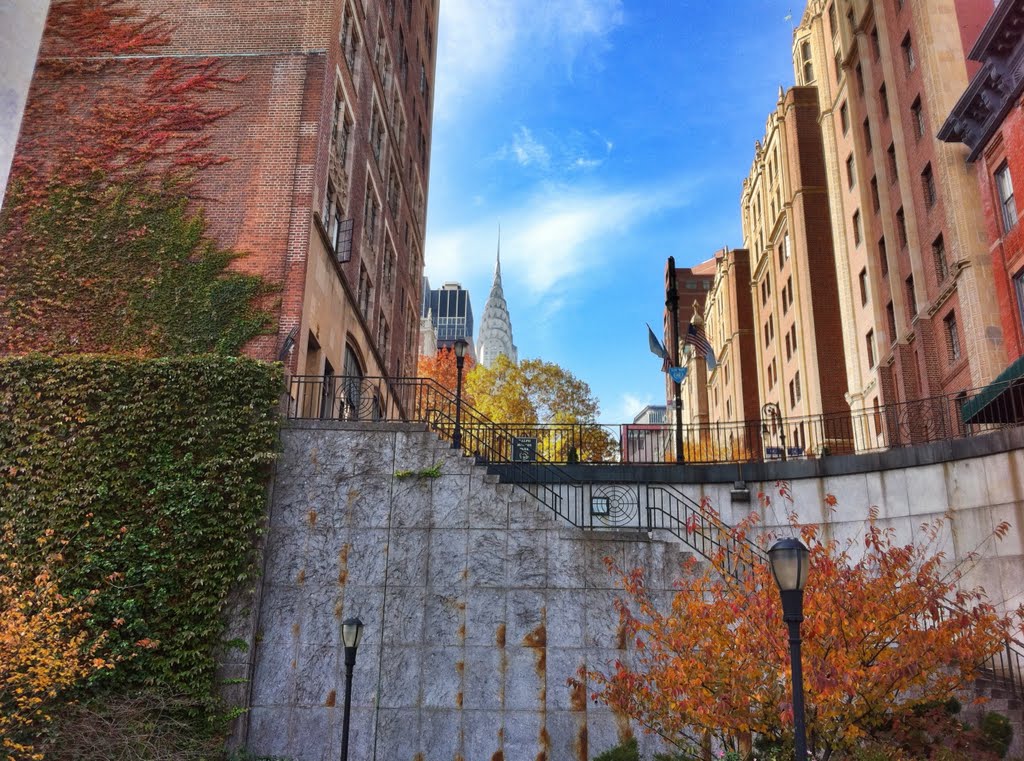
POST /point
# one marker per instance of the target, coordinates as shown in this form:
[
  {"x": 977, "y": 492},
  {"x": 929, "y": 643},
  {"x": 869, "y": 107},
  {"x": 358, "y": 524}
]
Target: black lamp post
[
  {"x": 789, "y": 559},
  {"x": 460, "y": 358},
  {"x": 772, "y": 410},
  {"x": 672, "y": 304},
  {"x": 351, "y": 633}
]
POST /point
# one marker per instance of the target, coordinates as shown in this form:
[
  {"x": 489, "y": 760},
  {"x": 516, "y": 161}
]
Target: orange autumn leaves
[
  {"x": 888, "y": 628},
  {"x": 45, "y": 647}
]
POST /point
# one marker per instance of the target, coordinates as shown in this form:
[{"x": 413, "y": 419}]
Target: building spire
[{"x": 495, "y": 336}]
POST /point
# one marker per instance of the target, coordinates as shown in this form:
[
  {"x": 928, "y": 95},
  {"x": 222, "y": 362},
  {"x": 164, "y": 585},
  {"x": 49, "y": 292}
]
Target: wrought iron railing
[{"x": 902, "y": 424}]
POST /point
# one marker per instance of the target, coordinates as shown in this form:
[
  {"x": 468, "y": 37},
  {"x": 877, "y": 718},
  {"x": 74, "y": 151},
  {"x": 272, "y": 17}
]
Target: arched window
[{"x": 352, "y": 384}]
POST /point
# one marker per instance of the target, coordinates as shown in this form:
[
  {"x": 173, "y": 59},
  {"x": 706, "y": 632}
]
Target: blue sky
[{"x": 603, "y": 136}]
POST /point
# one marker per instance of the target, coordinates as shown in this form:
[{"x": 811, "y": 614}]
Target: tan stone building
[
  {"x": 786, "y": 228},
  {"x": 913, "y": 275}
]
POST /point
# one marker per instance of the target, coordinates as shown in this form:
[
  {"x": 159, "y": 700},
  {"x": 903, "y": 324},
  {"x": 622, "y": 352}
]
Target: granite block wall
[{"x": 478, "y": 605}]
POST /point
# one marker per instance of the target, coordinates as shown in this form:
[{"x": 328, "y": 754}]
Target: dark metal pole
[
  {"x": 672, "y": 303},
  {"x": 793, "y": 620},
  {"x": 350, "y": 662},
  {"x": 457, "y": 434}
]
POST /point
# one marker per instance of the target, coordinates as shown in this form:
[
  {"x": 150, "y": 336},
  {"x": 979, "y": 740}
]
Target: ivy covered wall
[{"x": 155, "y": 472}]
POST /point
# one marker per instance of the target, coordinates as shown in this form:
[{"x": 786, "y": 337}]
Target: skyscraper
[
  {"x": 326, "y": 146},
  {"x": 450, "y": 312},
  {"x": 495, "y": 336}
]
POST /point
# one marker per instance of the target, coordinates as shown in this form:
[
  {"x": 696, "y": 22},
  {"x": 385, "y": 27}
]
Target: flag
[
  {"x": 695, "y": 338},
  {"x": 656, "y": 348}
]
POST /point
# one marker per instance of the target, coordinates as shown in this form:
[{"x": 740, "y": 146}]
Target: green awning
[{"x": 1001, "y": 401}]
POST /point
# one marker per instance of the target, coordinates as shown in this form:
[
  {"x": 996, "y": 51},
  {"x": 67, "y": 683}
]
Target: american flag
[{"x": 695, "y": 338}]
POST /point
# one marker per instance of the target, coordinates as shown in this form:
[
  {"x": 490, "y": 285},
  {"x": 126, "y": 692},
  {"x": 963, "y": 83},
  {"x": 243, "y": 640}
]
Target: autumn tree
[
  {"x": 535, "y": 392},
  {"x": 46, "y": 646},
  {"x": 889, "y": 634},
  {"x": 442, "y": 368}
]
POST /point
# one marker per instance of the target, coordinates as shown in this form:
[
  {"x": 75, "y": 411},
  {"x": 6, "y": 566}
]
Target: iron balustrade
[{"x": 903, "y": 424}]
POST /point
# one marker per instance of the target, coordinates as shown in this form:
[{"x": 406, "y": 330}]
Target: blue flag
[{"x": 655, "y": 345}]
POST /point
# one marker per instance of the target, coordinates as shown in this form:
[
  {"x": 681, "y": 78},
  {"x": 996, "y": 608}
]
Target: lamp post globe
[
  {"x": 351, "y": 634},
  {"x": 790, "y": 562}
]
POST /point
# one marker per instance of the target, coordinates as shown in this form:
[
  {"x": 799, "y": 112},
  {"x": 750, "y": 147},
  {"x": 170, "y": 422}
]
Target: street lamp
[
  {"x": 772, "y": 410},
  {"x": 672, "y": 304},
  {"x": 460, "y": 359},
  {"x": 789, "y": 560},
  {"x": 351, "y": 633}
]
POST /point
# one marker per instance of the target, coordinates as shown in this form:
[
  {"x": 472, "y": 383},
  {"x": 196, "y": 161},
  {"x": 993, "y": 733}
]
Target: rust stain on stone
[
  {"x": 459, "y": 757},
  {"x": 343, "y": 563},
  {"x": 337, "y": 610},
  {"x": 545, "y": 744},
  {"x": 498, "y": 756},
  {"x": 462, "y": 631},
  {"x": 577, "y": 696},
  {"x": 538, "y": 637},
  {"x": 312, "y": 517},
  {"x": 301, "y": 578},
  {"x": 500, "y": 636},
  {"x": 621, "y": 635},
  {"x": 332, "y": 699},
  {"x": 294, "y": 665},
  {"x": 418, "y": 757},
  {"x": 458, "y": 699},
  {"x": 295, "y": 630},
  {"x": 460, "y": 668},
  {"x": 625, "y": 731},
  {"x": 465, "y": 574},
  {"x": 582, "y": 743}
]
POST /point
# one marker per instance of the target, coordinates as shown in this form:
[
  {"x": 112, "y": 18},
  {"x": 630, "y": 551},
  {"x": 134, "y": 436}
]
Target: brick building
[
  {"x": 786, "y": 228},
  {"x": 726, "y": 396},
  {"x": 988, "y": 119},
  {"x": 328, "y": 149},
  {"x": 913, "y": 275}
]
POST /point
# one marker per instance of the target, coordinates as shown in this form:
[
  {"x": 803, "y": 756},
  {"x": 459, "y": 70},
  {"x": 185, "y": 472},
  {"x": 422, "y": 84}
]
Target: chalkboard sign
[{"x": 524, "y": 449}]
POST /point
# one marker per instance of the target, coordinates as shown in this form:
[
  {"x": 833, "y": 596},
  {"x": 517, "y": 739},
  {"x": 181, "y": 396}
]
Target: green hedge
[{"x": 156, "y": 472}]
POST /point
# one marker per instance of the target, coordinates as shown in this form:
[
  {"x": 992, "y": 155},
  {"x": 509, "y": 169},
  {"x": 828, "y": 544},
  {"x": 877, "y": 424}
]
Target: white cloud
[
  {"x": 479, "y": 40},
  {"x": 585, "y": 163},
  {"x": 527, "y": 150},
  {"x": 559, "y": 232}
]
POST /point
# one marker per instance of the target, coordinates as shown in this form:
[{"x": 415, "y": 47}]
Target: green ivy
[{"x": 156, "y": 470}]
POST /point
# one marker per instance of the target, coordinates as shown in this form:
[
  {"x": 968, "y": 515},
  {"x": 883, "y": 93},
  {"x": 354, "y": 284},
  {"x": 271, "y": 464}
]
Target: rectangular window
[
  {"x": 908, "y": 53},
  {"x": 833, "y": 25},
  {"x": 917, "y": 112},
  {"x": 883, "y": 257},
  {"x": 901, "y": 227},
  {"x": 789, "y": 348},
  {"x": 869, "y": 341},
  {"x": 860, "y": 79},
  {"x": 883, "y": 101},
  {"x": 863, "y": 286},
  {"x": 876, "y": 48},
  {"x": 858, "y": 231},
  {"x": 792, "y": 332},
  {"x": 792, "y": 395},
  {"x": 796, "y": 380},
  {"x": 839, "y": 65},
  {"x": 1007, "y": 204},
  {"x": 851, "y": 174},
  {"x": 876, "y": 201},
  {"x": 844, "y": 117},
  {"x": 928, "y": 186},
  {"x": 867, "y": 135},
  {"x": 890, "y": 313},
  {"x": 952, "y": 337},
  {"x": 911, "y": 297},
  {"x": 1018, "y": 283},
  {"x": 939, "y": 254},
  {"x": 894, "y": 171}
]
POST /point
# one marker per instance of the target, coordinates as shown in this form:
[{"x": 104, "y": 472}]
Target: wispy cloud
[
  {"x": 559, "y": 231},
  {"x": 479, "y": 40},
  {"x": 629, "y": 406},
  {"x": 527, "y": 150}
]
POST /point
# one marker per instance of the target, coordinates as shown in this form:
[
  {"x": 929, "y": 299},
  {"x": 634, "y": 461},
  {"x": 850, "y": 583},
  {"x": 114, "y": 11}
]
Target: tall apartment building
[
  {"x": 786, "y": 228},
  {"x": 913, "y": 274},
  {"x": 989, "y": 121},
  {"x": 327, "y": 142}
]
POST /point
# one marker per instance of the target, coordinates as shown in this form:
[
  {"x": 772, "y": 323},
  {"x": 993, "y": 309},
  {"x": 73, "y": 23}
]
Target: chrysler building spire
[{"x": 496, "y": 327}]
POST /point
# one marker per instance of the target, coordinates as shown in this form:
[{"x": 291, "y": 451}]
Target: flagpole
[{"x": 672, "y": 303}]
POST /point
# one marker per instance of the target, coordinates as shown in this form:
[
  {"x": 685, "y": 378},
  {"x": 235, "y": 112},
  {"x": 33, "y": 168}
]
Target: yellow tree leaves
[
  {"x": 888, "y": 630},
  {"x": 45, "y": 648}
]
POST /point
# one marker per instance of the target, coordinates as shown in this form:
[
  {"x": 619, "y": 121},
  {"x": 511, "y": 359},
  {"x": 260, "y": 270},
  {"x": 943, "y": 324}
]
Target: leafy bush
[
  {"x": 998, "y": 732},
  {"x": 626, "y": 751}
]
